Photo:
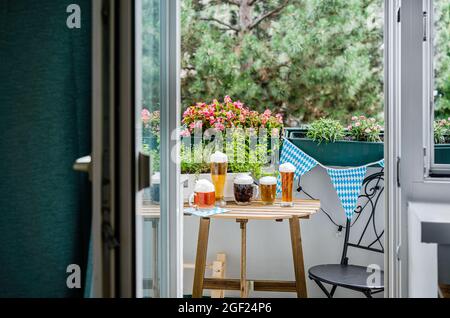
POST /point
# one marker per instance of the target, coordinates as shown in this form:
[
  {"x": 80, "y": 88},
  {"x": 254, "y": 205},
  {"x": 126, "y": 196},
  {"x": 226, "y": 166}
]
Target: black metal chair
[{"x": 349, "y": 276}]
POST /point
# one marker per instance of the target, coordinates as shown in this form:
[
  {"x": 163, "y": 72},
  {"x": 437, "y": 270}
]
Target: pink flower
[
  {"x": 354, "y": 118},
  {"x": 362, "y": 117},
  {"x": 145, "y": 114},
  {"x": 357, "y": 124},
  {"x": 227, "y": 99},
  {"x": 264, "y": 120},
  {"x": 185, "y": 133},
  {"x": 241, "y": 118},
  {"x": 349, "y": 127},
  {"x": 279, "y": 117},
  {"x": 230, "y": 115},
  {"x": 238, "y": 105},
  {"x": 268, "y": 112},
  {"x": 219, "y": 126}
]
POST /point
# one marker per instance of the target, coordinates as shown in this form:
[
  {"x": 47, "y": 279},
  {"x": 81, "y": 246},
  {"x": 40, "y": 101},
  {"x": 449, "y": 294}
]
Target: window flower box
[
  {"x": 442, "y": 154},
  {"x": 339, "y": 153}
]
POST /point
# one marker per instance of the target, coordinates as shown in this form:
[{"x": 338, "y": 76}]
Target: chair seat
[{"x": 351, "y": 276}]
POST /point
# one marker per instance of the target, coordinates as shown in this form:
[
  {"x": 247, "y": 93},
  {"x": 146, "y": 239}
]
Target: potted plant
[
  {"x": 151, "y": 147},
  {"x": 331, "y": 144},
  {"x": 238, "y": 123},
  {"x": 442, "y": 141}
]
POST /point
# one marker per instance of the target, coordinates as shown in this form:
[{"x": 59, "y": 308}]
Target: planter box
[
  {"x": 442, "y": 154},
  {"x": 339, "y": 153},
  {"x": 191, "y": 179}
]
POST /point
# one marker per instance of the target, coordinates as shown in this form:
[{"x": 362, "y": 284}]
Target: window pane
[{"x": 442, "y": 81}]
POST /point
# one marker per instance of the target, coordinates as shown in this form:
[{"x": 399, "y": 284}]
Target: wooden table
[{"x": 302, "y": 209}]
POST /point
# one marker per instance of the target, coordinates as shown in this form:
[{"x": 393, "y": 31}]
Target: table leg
[
  {"x": 200, "y": 261},
  {"x": 244, "y": 285},
  {"x": 155, "y": 286},
  {"x": 297, "y": 253}
]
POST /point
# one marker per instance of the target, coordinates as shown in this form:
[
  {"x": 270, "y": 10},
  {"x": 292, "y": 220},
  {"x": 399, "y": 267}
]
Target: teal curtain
[{"x": 45, "y": 109}]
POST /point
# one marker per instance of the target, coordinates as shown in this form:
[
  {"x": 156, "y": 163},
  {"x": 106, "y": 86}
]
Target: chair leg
[
  {"x": 325, "y": 291},
  {"x": 368, "y": 293},
  {"x": 333, "y": 290}
]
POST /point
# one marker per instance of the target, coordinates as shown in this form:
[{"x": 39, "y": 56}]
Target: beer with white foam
[
  {"x": 268, "y": 190},
  {"x": 287, "y": 171},
  {"x": 219, "y": 167}
]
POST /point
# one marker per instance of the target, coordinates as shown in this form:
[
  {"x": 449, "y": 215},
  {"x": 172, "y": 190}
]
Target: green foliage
[
  {"x": 442, "y": 131},
  {"x": 364, "y": 129},
  {"x": 442, "y": 60},
  {"x": 155, "y": 156},
  {"x": 306, "y": 60},
  {"x": 326, "y": 130},
  {"x": 192, "y": 161},
  {"x": 151, "y": 54},
  {"x": 246, "y": 153}
]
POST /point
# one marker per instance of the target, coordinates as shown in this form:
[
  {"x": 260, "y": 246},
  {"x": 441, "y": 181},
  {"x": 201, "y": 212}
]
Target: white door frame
[
  {"x": 392, "y": 40},
  {"x": 107, "y": 264},
  {"x": 409, "y": 129},
  {"x": 172, "y": 221}
]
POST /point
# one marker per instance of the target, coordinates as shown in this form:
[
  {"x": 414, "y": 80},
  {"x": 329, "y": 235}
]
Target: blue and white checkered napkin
[
  {"x": 347, "y": 183},
  {"x": 302, "y": 162},
  {"x": 205, "y": 213}
]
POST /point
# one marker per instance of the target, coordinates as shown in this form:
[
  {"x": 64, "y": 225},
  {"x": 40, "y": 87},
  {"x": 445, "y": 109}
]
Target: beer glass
[
  {"x": 219, "y": 167},
  {"x": 268, "y": 190},
  {"x": 245, "y": 190},
  {"x": 204, "y": 196},
  {"x": 287, "y": 172}
]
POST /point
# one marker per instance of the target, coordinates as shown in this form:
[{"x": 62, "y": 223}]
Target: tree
[{"x": 305, "y": 59}]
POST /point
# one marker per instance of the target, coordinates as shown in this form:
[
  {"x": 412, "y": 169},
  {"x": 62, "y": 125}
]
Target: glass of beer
[
  {"x": 219, "y": 167},
  {"x": 245, "y": 190},
  {"x": 287, "y": 171},
  {"x": 204, "y": 196},
  {"x": 268, "y": 189}
]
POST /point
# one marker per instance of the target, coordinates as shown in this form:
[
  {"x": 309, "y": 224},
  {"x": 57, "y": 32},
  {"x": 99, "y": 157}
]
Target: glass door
[{"x": 158, "y": 221}]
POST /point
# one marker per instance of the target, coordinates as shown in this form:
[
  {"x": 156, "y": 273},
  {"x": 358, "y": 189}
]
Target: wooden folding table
[{"x": 302, "y": 209}]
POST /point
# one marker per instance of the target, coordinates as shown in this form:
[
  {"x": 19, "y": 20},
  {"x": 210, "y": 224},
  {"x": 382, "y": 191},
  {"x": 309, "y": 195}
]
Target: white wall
[{"x": 269, "y": 253}]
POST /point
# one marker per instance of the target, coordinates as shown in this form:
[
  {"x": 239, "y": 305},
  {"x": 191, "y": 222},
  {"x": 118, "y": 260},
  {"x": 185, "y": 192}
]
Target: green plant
[
  {"x": 245, "y": 154},
  {"x": 326, "y": 130},
  {"x": 154, "y": 156},
  {"x": 442, "y": 131},
  {"x": 364, "y": 129},
  {"x": 192, "y": 159}
]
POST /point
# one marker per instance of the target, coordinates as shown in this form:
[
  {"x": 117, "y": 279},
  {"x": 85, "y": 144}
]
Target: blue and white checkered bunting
[
  {"x": 347, "y": 183},
  {"x": 302, "y": 162}
]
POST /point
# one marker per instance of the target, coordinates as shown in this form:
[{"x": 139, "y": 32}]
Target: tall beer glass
[
  {"x": 219, "y": 167},
  {"x": 287, "y": 171}
]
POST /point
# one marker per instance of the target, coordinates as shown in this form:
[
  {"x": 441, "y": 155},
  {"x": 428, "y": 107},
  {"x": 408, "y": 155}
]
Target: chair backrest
[{"x": 370, "y": 237}]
